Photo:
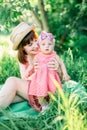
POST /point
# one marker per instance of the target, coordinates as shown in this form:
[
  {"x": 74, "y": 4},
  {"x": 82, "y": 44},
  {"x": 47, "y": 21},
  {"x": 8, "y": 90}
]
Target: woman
[{"x": 24, "y": 40}]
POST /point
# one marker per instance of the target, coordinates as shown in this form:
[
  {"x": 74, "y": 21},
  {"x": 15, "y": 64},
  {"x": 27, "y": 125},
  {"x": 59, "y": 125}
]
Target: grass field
[{"x": 67, "y": 110}]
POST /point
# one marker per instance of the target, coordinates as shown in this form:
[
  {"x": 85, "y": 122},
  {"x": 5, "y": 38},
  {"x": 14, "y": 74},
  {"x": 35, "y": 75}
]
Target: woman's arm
[
  {"x": 25, "y": 70},
  {"x": 58, "y": 65},
  {"x": 62, "y": 69}
]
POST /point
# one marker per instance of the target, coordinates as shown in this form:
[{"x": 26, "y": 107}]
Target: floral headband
[{"x": 44, "y": 35}]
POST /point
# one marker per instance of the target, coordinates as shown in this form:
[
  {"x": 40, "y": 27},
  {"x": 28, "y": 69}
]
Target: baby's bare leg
[{"x": 12, "y": 87}]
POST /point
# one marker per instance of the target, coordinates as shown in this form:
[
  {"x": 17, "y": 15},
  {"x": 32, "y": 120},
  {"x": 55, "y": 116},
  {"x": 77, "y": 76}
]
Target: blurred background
[{"x": 66, "y": 19}]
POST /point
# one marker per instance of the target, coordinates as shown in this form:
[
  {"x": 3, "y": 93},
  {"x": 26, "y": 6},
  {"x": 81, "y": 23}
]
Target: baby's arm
[{"x": 62, "y": 69}]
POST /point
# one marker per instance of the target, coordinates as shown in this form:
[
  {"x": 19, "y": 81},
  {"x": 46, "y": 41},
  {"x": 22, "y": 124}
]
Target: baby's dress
[{"x": 42, "y": 81}]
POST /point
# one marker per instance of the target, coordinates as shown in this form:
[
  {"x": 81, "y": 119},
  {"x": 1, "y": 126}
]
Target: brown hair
[{"x": 26, "y": 40}]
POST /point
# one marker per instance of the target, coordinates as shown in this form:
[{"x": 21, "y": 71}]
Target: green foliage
[
  {"x": 8, "y": 67},
  {"x": 67, "y": 110},
  {"x": 12, "y": 12},
  {"x": 63, "y": 112},
  {"x": 81, "y": 44},
  {"x": 67, "y": 18},
  {"x": 76, "y": 66}
]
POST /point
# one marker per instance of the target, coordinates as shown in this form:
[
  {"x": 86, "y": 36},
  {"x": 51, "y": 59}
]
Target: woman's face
[{"x": 32, "y": 48}]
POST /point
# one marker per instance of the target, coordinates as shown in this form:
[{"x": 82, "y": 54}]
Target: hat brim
[
  {"x": 19, "y": 33},
  {"x": 15, "y": 45}
]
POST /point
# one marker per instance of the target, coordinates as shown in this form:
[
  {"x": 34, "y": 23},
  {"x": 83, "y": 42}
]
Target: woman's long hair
[{"x": 26, "y": 40}]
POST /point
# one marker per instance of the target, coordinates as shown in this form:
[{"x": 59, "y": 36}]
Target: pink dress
[{"x": 41, "y": 82}]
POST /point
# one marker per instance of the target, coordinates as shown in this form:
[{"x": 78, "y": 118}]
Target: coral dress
[{"x": 41, "y": 82}]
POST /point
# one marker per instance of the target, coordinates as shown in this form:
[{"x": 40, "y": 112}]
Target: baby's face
[{"x": 46, "y": 46}]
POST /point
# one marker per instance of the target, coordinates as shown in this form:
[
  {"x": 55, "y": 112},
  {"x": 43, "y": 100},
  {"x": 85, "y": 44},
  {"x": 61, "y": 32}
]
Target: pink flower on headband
[{"x": 45, "y": 35}]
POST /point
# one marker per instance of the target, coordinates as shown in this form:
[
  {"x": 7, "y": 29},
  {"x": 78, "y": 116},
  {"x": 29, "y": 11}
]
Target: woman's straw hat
[{"x": 19, "y": 32}]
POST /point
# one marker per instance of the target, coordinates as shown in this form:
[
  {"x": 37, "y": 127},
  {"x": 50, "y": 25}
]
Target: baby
[{"x": 41, "y": 82}]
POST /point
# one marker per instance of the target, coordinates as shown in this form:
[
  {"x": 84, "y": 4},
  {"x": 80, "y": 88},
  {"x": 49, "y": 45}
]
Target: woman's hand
[
  {"x": 36, "y": 65},
  {"x": 53, "y": 64},
  {"x": 66, "y": 77},
  {"x": 57, "y": 65}
]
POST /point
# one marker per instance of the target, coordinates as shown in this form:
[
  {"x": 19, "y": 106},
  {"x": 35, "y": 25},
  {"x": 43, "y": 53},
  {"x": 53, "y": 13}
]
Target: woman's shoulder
[{"x": 23, "y": 65}]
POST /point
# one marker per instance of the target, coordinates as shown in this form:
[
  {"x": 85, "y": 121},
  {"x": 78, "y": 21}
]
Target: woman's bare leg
[{"x": 12, "y": 87}]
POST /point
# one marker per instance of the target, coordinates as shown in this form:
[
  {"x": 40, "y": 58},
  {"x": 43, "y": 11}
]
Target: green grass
[
  {"x": 65, "y": 113},
  {"x": 67, "y": 108}
]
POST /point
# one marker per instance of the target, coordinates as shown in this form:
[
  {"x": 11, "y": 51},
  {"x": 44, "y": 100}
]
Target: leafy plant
[
  {"x": 8, "y": 67},
  {"x": 76, "y": 66}
]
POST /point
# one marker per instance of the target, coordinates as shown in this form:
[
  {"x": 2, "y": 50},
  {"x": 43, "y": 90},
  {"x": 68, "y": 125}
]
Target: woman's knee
[
  {"x": 11, "y": 80},
  {"x": 10, "y": 85}
]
